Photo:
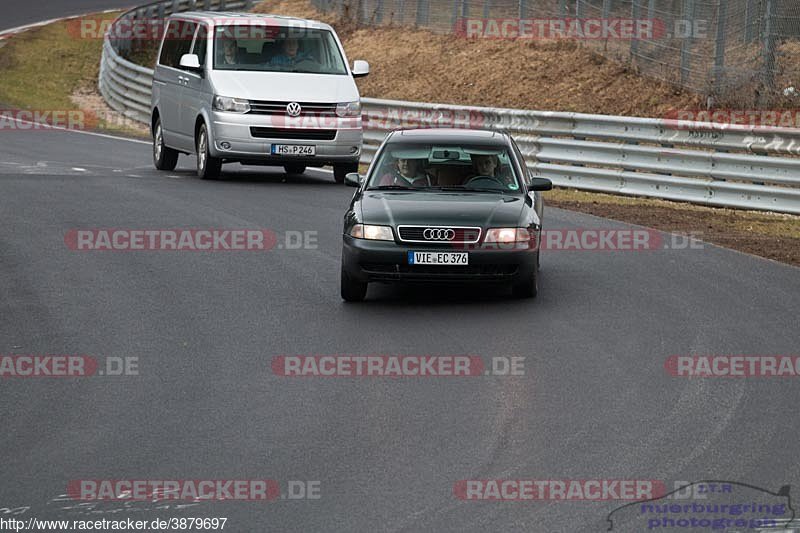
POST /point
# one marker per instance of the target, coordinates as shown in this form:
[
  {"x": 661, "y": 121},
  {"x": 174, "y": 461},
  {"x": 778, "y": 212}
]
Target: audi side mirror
[
  {"x": 540, "y": 184},
  {"x": 352, "y": 179}
]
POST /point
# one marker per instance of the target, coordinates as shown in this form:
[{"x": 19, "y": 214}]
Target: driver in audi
[
  {"x": 489, "y": 165},
  {"x": 408, "y": 173}
]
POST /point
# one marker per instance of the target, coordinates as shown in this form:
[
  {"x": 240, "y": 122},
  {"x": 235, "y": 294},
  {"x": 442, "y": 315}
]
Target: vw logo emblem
[
  {"x": 293, "y": 109},
  {"x": 439, "y": 234}
]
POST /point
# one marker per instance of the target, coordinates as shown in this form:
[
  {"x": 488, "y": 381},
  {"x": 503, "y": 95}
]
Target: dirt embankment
[{"x": 418, "y": 65}]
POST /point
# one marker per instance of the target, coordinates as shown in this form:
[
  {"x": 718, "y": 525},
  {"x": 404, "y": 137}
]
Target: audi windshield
[{"x": 454, "y": 167}]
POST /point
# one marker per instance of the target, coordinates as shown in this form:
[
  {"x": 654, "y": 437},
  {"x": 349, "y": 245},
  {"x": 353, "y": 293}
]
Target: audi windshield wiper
[
  {"x": 471, "y": 189},
  {"x": 393, "y": 188}
]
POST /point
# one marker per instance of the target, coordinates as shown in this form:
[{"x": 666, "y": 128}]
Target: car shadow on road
[
  {"x": 269, "y": 175},
  {"x": 430, "y": 294}
]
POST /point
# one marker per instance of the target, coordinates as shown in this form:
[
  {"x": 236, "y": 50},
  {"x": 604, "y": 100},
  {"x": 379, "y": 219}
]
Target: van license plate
[{"x": 293, "y": 149}]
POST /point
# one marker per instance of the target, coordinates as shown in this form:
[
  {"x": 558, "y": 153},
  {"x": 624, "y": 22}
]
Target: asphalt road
[
  {"x": 595, "y": 400},
  {"x": 21, "y": 12}
]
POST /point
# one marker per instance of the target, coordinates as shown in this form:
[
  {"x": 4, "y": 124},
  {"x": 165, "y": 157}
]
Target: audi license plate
[
  {"x": 293, "y": 149},
  {"x": 438, "y": 258}
]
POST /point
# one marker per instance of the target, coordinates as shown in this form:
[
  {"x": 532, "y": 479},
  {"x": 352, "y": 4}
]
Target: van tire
[
  {"x": 163, "y": 158},
  {"x": 339, "y": 171},
  {"x": 294, "y": 169},
  {"x": 207, "y": 167}
]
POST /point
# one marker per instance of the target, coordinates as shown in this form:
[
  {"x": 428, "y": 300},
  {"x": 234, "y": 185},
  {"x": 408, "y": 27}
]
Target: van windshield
[{"x": 276, "y": 49}]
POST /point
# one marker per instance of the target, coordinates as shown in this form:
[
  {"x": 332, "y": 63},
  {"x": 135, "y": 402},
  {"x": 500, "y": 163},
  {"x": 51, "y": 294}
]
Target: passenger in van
[
  {"x": 408, "y": 173},
  {"x": 290, "y": 54}
]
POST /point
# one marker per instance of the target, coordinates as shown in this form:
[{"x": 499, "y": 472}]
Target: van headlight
[
  {"x": 348, "y": 109},
  {"x": 231, "y": 105}
]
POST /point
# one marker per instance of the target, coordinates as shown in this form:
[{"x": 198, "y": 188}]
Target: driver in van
[{"x": 290, "y": 53}]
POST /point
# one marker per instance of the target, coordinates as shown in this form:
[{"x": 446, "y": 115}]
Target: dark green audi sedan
[{"x": 444, "y": 205}]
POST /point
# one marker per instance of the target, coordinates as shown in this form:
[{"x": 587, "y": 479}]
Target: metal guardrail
[{"x": 703, "y": 163}]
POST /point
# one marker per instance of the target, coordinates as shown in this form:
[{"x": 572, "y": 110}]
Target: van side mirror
[
  {"x": 540, "y": 184},
  {"x": 190, "y": 62},
  {"x": 352, "y": 179},
  {"x": 360, "y": 68}
]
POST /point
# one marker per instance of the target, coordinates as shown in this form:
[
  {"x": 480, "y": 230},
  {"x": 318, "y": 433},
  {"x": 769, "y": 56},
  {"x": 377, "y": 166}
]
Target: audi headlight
[
  {"x": 348, "y": 109},
  {"x": 507, "y": 235},
  {"x": 372, "y": 233},
  {"x": 231, "y": 105}
]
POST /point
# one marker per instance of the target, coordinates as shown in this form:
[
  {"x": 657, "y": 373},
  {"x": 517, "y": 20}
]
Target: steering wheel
[{"x": 483, "y": 181}]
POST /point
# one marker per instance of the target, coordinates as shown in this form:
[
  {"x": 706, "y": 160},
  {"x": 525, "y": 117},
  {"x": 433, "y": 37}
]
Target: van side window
[
  {"x": 177, "y": 42},
  {"x": 201, "y": 44}
]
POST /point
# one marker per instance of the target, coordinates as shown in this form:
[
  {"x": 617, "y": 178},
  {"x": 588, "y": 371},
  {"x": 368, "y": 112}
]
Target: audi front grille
[{"x": 439, "y": 234}]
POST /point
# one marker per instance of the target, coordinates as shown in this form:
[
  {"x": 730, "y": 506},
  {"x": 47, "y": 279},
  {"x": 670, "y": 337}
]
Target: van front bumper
[{"x": 233, "y": 140}]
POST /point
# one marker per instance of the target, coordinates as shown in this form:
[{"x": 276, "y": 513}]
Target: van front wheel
[
  {"x": 207, "y": 167},
  {"x": 163, "y": 158},
  {"x": 340, "y": 171}
]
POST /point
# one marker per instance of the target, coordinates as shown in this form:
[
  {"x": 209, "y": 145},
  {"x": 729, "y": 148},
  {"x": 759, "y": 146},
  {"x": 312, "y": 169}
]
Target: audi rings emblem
[
  {"x": 439, "y": 234},
  {"x": 294, "y": 109}
]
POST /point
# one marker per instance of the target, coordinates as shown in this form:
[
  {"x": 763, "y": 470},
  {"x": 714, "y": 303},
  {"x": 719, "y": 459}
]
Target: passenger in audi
[{"x": 406, "y": 172}]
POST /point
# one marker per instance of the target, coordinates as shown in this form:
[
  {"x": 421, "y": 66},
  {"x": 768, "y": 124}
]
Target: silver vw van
[{"x": 257, "y": 90}]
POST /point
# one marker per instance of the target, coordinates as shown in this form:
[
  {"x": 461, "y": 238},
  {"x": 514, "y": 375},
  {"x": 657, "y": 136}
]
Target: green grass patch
[{"x": 42, "y": 67}]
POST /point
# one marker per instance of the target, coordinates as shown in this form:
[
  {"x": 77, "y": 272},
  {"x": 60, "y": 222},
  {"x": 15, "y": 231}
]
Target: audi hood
[{"x": 393, "y": 208}]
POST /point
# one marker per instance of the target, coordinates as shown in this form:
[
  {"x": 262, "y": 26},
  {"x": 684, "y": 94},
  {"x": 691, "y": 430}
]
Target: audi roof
[{"x": 449, "y": 135}]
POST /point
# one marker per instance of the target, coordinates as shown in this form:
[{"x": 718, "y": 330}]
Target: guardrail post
[
  {"x": 719, "y": 48},
  {"x": 523, "y": 9},
  {"x": 579, "y": 9},
  {"x": 651, "y": 9}
]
